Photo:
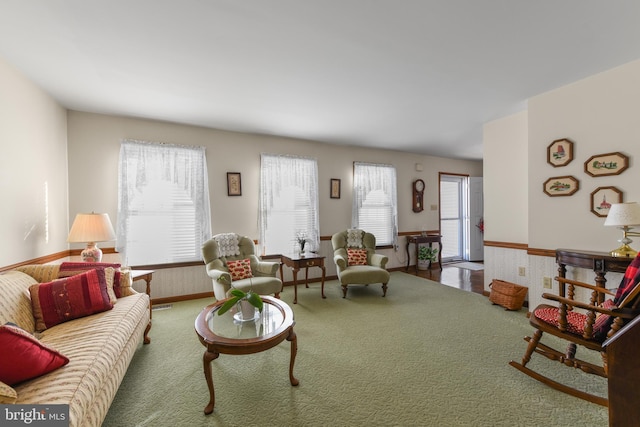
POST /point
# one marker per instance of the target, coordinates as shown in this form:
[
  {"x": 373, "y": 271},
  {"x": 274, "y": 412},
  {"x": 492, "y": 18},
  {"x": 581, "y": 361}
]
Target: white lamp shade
[
  {"x": 621, "y": 214},
  {"x": 91, "y": 227}
]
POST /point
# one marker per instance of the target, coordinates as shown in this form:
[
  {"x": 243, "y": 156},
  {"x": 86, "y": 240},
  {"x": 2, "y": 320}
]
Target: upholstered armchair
[
  {"x": 356, "y": 260},
  {"x": 230, "y": 260}
]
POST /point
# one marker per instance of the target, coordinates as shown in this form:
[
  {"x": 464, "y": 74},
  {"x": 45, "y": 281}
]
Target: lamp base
[
  {"x": 624, "y": 251},
  {"x": 91, "y": 253}
]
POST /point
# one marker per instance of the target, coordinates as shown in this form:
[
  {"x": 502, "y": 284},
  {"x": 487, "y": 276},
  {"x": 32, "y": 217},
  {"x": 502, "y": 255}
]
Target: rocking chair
[{"x": 589, "y": 328}]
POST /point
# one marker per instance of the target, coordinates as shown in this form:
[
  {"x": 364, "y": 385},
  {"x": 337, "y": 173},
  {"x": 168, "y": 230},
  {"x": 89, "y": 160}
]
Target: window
[
  {"x": 163, "y": 203},
  {"x": 375, "y": 201},
  {"x": 288, "y": 203}
]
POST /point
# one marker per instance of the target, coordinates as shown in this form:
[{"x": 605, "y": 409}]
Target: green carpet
[{"x": 426, "y": 355}]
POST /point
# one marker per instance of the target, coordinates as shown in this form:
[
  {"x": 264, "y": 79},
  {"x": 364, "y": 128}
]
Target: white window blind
[
  {"x": 163, "y": 203},
  {"x": 288, "y": 203},
  {"x": 375, "y": 201}
]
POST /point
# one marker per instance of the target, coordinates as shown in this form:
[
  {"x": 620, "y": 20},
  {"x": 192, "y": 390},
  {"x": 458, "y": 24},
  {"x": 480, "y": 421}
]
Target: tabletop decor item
[{"x": 247, "y": 301}]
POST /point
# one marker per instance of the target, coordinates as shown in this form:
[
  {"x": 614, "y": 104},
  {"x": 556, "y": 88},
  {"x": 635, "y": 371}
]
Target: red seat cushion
[{"x": 577, "y": 321}]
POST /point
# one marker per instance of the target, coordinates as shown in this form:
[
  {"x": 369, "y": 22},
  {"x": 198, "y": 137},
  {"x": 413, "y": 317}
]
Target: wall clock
[{"x": 418, "y": 195}]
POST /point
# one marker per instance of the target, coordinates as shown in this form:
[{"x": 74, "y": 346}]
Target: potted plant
[
  {"x": 248, "y": 302},
  {"x": 426, "y": 255}
]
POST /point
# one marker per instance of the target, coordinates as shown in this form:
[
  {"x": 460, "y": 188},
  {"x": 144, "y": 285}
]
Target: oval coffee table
[{"x": 227, "y": 335}]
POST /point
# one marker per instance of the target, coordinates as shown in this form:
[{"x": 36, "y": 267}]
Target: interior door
[{"x": 476, "y": 212}]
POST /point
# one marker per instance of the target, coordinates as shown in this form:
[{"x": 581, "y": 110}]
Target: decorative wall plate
[
  {"x": 561, "y": 186},
  {"x": 606, "y": 164},
  {"x": 602, "y": 198},
  {"x": 560, "y": 152}
]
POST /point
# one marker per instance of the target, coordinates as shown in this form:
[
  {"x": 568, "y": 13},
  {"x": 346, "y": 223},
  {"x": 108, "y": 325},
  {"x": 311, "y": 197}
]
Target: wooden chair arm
[
  {"x": 598, "y": 289},
  {"x": 625, "y": 313}
]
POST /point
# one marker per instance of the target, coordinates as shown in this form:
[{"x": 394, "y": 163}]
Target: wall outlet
[
  {"x": 521, "y": 271},
  {"x": 434, "y": 207},
  {"x": 546, "y": 282}
]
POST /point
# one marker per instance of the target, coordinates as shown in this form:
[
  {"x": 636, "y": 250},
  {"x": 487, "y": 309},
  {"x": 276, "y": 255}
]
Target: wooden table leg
[
  {"x": 206, "y": 361},
  {"x": 306, "y": 277},
  {"x": 295, "y": 285},
  {"x": 323, "y": 274},
  {"x": 294, "y": 350}
]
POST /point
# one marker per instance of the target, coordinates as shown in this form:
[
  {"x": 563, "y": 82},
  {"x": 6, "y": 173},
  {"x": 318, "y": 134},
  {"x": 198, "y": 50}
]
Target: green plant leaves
[{"x": 237, "y": 295}]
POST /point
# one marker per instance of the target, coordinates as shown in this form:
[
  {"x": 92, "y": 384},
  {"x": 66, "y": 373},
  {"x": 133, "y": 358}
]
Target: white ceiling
[{"x": 419, "y": 76}]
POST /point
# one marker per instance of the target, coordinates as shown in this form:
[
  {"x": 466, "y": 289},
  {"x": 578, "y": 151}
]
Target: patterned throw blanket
[
  {"x": 228, "y": 243},
  {"x": 354, "y": 238}
]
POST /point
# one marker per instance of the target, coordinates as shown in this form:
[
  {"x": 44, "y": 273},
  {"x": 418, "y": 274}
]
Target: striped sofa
[{"x": 99, "y": 347}]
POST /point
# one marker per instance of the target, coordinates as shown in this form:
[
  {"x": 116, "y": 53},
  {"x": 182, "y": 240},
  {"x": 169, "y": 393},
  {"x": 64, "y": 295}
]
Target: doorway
[{"x": 461, "y": 208}]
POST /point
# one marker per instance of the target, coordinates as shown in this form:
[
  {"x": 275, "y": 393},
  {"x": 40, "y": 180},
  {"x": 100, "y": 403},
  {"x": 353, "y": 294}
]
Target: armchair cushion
[
  {"x": 357, "y": 256},
  {"x": 576, "y": 322},
  {"x": 240, "y": 269}
]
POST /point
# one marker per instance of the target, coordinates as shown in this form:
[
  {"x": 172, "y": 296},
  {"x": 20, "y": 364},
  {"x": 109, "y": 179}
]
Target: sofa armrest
[
  {"x": 340, "y": 261},
  {"x": 379, "y": 260}
]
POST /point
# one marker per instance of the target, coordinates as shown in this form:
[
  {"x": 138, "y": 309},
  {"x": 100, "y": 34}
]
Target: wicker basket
[{"x": 507, "y": 294}]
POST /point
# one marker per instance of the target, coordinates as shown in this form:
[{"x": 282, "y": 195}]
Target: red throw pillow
[
  {"x": 24, "y": 357},
  {"x": 357, "y": 256},
  {"x": 69, "y": 298},
  {"x": 68, "y": 269},
  {"x": 240, "y": 269}
]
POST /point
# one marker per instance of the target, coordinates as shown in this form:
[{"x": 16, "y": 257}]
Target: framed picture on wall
[
  {"x": 561, "y": 186},
  {"x": 234, "y": 184},
  {"x": 560, "y": 152},
  {"x": 606, "y": 164},
  {"x": 335, "y": 188},
  {"x": 602, "y": 198}
]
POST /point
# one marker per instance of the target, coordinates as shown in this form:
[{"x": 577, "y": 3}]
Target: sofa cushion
[
  {"x": 240, "y": 269},
  {"x": 69, "y": 298},
  {"x": 356, "y": 256},
  {"x": 121, "y": 280},
  {"x": 7, "y": 394},
  {"x": 24, "y": 357}
]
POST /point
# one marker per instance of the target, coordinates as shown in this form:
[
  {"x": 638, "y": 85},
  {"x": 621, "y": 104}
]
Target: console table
[
  {"x": 430, "y": 239},
  {"x": 600, "y": 262}
]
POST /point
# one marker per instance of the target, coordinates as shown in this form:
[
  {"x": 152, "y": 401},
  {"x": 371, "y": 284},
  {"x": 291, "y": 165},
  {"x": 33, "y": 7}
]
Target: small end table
[
  {"x": 296, "y": 262},
  {"x": 430, "y": 239},
  {"x": 223, "y": 334},
  {"x": 145, "y": 275}
]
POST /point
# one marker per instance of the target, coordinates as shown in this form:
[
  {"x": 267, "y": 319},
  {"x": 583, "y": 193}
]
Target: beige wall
[
  {"x": 506, "y": 179},
  {"x": 33, "y": 170},
  {"x": 94, "y": 143},
  {"x": 600, "y": 115}
]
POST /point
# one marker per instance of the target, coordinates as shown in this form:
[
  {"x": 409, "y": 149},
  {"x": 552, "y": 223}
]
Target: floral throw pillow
[
  {"x": 357, "y": 256},
  {"x": 240, "y": 269}
]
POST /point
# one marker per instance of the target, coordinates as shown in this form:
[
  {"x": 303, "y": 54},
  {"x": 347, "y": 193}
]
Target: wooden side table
[
  {"x": 600, "y": 262},
  {"x": 430, "y": 239},
  {"x": 145, "y": 275},
  {"x": 296, "y": 262}
]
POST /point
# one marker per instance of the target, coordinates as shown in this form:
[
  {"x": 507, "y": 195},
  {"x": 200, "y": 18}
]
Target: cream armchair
[
  {"x": 223, "y": 248},
  {"x": 356, "y": 260}
]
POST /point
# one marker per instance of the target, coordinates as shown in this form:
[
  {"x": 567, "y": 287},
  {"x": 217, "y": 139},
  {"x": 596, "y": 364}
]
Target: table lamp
[
  {"x": 624, "y": 216},
  {"x": 91, "y": 228}
]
